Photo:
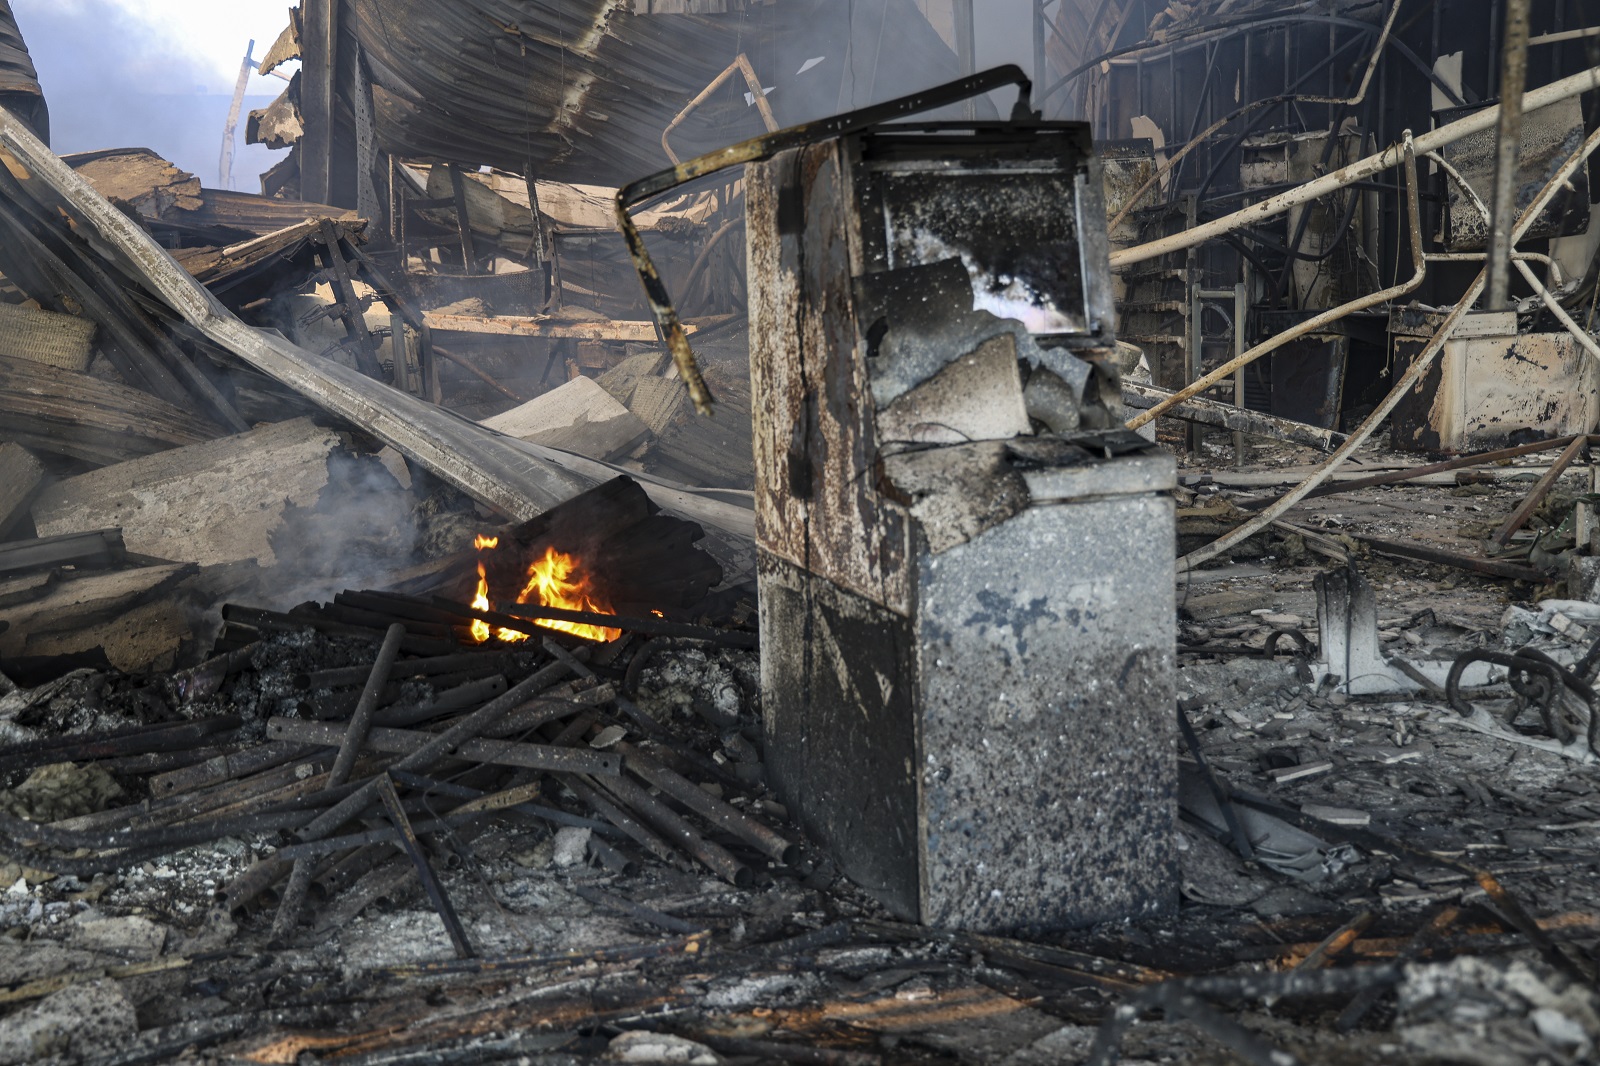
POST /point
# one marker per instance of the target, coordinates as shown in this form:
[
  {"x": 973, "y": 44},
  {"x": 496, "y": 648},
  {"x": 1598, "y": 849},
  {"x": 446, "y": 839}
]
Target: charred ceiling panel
[
  {"x": 19, "y": 82},
  {"x": 581, "y": 90}
]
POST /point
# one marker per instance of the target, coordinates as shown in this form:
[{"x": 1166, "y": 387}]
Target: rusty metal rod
[
  {"x": 533, "y": 811},
  {"x": 471, "y": 694},
  {"x": 355, "y": 734},
  {"x": 138, "y": 740},
  {"x": 432, "y": 666},
  {"x": 498, "y": 752},
  {"x": 649, "y": 915},
  {"x": 438, "y": 747},
  {"x": 713, "y": 857},
  {"x": 611, "y": 858},
  {"x": 517, "y": 616},
  {"x": 723, "y": 815},
  {"x": 430, "y": 883},
  {"x": 1540, "y": 490},
  {"x": 229, "y": 767},
  {"x": 346, "y": 871},
  {"x": 244, "y": 889},
  {"x": 1395, "y": 477},
  {"x": 313, "y": 850},
  {"x": 635, "y": 830},
  {"x": 649, "y": 725},
  {"x": 452, "y": 692}
]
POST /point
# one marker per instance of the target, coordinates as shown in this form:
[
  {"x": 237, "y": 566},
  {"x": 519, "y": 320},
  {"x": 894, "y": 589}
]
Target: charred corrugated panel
[
  {"x": 581, "y": 89},
  {"x": 814, "y": 433},
  {"x": 19, "y": 81}
]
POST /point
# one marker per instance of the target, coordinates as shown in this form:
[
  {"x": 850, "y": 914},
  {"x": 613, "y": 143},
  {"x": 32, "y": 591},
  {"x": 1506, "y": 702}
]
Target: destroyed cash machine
[{"x": 966, "y": 564}]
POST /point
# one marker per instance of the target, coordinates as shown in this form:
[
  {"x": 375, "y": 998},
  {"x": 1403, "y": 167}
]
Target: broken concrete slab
[
  {"x": 208, "y": 503},
  {"x": 93, "y": 1018},
  {"x": 70, "y": 609},
  {"x": 578, "y": 416}
]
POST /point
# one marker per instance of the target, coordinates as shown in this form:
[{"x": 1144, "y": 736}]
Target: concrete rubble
[{"x": 395, "y": 667}]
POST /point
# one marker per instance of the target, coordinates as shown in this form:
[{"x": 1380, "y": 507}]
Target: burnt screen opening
[{"x": 1016, "y": 232}]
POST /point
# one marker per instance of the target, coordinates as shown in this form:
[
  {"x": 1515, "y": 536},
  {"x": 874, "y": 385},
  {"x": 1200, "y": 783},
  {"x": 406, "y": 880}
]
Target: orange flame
[
  {"x": 553, "y": 581},
  {"x": 481, "y": 631},
  {"x": 480, "y": 602}
]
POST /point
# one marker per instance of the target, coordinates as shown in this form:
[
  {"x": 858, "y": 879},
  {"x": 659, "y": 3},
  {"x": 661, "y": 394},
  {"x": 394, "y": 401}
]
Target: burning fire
[{"x": 557, "y": 581}]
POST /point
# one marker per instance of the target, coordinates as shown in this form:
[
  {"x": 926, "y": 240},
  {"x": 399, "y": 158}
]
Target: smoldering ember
[{"x": 813, "y": 531}]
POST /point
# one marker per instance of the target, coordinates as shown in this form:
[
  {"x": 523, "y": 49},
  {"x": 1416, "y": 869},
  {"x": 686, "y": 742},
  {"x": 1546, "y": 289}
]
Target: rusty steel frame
[
  {"x": 740, "y": 65},
  {"x": 1316, "y": 322},
  {"x": 1407, "y": 381}
]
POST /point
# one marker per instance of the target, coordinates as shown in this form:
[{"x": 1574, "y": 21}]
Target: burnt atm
[{"x": 966, "y": 564}]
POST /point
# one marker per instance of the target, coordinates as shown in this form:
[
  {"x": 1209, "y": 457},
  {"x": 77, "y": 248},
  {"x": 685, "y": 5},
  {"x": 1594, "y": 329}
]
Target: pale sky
[
  {"x": 208, "y": 33},
  {"x": 155, "y": 74}
]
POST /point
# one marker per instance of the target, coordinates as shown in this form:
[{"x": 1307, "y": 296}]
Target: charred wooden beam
[{"x": 350, "y": 310}]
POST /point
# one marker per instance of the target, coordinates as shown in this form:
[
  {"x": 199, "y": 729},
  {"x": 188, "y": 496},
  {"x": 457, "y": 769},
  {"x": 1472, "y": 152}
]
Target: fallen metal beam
[
  {"x": 519, "y": 326},
  {"x": 1460, "y": 462},
  {"x": 1442, "y": 557},
  {"x": 1226, "y": 416},
  {"x": 491, "y": 468}
]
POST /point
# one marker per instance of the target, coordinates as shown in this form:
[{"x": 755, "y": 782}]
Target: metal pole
[
  {"x": 1241, "y": 308},
  {"x": 225, "y": 167},
  {"x": 1513, "y": 78},
  {"x": 1040, "y": 31},
  {"x": 966, "y": 48}
]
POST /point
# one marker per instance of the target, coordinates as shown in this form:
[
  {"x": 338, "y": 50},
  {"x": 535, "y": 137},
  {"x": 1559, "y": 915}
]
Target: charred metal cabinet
[
  {"x": 967, "y": 622},
  {"x": 1491, "y": 386}
]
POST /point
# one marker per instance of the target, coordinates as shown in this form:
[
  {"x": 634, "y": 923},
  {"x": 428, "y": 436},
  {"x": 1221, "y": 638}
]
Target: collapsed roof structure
[{"x": 395, "y": 666}]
